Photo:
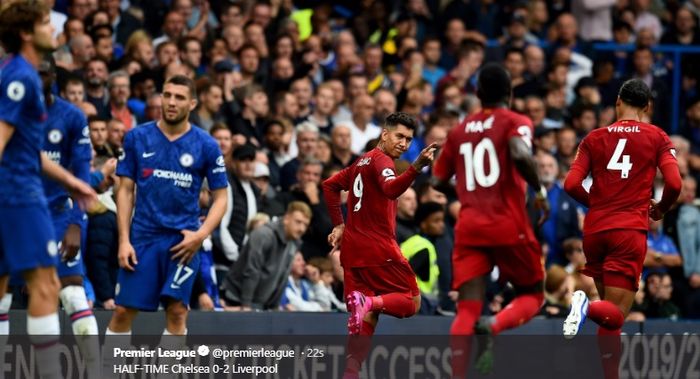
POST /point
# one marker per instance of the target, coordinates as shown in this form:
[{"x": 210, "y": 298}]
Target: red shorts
[
  {"x": 615, "y": 257},
  {"x": 381, "y": 280},
  {"x": 519, "y": 264}
]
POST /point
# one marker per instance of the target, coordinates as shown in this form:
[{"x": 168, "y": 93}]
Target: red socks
[
  {"x": 606, "y": 314},
  {"x": 518, "y": 312},
  {"x": 610, "y": 351},
  {"x": 358, "y": 348},
  {"x": 395, "y": 304},
  {"x": 468, "y": 311}
]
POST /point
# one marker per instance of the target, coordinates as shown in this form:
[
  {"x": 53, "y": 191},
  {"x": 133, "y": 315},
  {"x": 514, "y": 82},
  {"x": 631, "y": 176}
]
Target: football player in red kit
[
  {"x": 490, "y": 153},
  {"x": 377, "y": 278},
  {"x": 622, "y": 160}
]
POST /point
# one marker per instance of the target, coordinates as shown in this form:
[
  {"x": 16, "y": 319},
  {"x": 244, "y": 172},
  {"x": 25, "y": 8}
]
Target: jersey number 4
[
  {"x": 474, "y": 170},
  {"x": 620, "y": 162}
]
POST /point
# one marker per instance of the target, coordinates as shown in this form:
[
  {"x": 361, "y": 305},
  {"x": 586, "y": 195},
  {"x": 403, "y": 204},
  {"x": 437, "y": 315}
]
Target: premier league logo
[{"x": 186, "y": 160}]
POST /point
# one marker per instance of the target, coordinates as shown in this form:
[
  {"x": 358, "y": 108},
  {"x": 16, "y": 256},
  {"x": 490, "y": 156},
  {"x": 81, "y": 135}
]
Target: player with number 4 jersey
[
  {"x": 622, "y": 160},
  {"x": 490, "y": 153}
]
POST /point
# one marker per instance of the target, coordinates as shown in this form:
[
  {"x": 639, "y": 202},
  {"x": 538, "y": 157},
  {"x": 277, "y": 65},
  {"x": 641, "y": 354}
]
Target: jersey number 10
[
  {"x": 474, "y": 170},
  {"x": 619, "y": 162}
]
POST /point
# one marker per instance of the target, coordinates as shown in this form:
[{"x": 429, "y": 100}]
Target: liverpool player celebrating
[
  {"x": 622, "y": 160},
  {"x": 378, "y": 279},
  {"x": 491, "y": 155}
]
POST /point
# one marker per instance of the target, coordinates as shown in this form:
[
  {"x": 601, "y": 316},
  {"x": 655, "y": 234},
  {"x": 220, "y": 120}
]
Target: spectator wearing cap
[
  {"x": 545, "y": 139},
  {"x": 243, "y": 204},
  {"x": 563, "y": 221},
  {"x": 308, "y": 190},
  {"x": 270, "y": 202},
  {"x": 594, "y": 18}
]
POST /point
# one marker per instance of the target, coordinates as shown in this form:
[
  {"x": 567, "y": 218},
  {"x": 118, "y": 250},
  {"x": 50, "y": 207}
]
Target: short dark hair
[
  {"x": 218, "y": 126},
  {"x": 635, "y": 93},
  {"x": 493, "y": 85},
  {"x": 71, "y": 79},
  {"x": 17, "y": 17},
  {"x": 96, "y": 118},
  {"x": 182, "y": 80},
  {"x": 182, "y": 43},
  {"x": 394, "y": 119}
]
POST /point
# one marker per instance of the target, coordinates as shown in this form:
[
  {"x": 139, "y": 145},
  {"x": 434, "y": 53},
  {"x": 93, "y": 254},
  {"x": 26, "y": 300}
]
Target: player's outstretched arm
[
  {"x": 192, "y": 241},
  {"x": 521, "y": 153},
  {"x": 79, "y": 190}
]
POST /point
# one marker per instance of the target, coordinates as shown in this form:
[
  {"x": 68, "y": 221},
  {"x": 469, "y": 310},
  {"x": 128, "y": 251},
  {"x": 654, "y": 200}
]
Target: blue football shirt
[
  {"x": 168, "y": 176},
  {"x": 22, "y": 106},
  {"x": 68, "y": 144}
]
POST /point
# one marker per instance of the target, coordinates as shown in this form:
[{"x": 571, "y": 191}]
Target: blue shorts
[
  {"x": 73, "y": 267},
  {"x": 157, "y": 276},
  {"x": 27, "y": 239}
]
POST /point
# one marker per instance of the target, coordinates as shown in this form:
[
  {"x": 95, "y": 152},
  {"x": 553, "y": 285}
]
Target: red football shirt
[
  {"x": 369, "y": 238},
  {"x": 622, "y": 160},
  {"x": 490, "y": 189}
]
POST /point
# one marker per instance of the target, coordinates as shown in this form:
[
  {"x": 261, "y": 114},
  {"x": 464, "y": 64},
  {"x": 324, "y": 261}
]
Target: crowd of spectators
[{"x": 296, "y": 90}]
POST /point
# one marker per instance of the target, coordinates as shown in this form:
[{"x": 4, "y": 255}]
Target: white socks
[
  {"x": 76, "y": 306},
  {"x": 44, "y": 332},
  {"x": 5, "y": 304}
]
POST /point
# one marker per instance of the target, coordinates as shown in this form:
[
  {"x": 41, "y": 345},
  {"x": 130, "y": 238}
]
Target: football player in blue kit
[
  {"x": 27, "y": 238},
  {"x": 162, "y": 170},
  {"x": 67, "y": 143}
]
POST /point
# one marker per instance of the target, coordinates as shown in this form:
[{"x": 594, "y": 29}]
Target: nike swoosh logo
[
  {"x": 174, "y": 286},
  {"x": 72, "y": 263},
  {"x": 148, "y": 155}
]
